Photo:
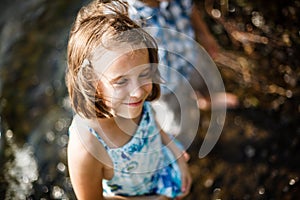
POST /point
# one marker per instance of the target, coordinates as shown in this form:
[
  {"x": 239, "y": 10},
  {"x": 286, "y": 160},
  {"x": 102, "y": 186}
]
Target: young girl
[{"x": 116, "y": 150}]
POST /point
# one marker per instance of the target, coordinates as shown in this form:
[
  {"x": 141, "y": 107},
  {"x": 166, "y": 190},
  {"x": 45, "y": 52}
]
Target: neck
[
  {"x": 117, "y": 131},
  {"x": 125, "y": 125}
]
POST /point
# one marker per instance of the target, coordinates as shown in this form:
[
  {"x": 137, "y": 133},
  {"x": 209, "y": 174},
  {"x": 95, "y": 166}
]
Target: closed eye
[
  {"x": 121, "y": 81},
  {"x": 146, "y": 73}
]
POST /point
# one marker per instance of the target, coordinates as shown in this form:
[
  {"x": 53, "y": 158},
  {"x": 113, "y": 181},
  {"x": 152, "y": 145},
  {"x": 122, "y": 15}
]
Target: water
[{"x": 21, "y": 169}]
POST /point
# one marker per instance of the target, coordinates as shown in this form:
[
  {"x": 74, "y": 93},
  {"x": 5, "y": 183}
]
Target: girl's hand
[
  {"x": 186, "y": 177},
  {"x": 163, "y": 198}
]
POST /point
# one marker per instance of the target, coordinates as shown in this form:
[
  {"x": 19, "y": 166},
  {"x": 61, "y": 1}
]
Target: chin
[{"x": 130, "y": 113}]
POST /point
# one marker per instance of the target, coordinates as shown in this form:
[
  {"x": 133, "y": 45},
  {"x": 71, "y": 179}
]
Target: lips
[{"x": 135, "y": 103}]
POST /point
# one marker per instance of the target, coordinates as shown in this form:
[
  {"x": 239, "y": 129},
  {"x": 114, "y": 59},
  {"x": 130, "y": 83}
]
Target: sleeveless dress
[{"x": 143, "y": 166}]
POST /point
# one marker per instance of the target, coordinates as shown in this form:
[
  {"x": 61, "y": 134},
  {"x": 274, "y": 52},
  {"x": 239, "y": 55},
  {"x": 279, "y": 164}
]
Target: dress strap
[{"x": 92, "y": 131}]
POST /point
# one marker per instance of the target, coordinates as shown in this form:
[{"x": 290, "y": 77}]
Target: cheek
[
  {"x": 114, "y": 96},
  {"x": 148, "y": 88},
  {"x": 106, "y": 92}
]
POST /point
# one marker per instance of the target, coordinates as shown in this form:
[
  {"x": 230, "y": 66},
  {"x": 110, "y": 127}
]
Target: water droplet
[
  {"x": 261, "y": 190},
  {"x": 231, "y": 9},
  {"x": 250, "y": 151},
  {"x": 216, "y": 194},
  {"x": 9, "y": 134},
  {"x": 289, "y": 94},
  {"x": 274, "y": 173},
  {"x": 238, "y": 120},
  {"x": 217, "y": 190},
  {"x": 61, "y": 167},
  {"x": 285, "y": 189},
  {"x": 57, "y": 192},
  {"x": 59, "y": 125},
  {"x": 49, "y": 91},
  {"x": 63, "y": 140},
  {"x": 3, "y": 102},
  {"x": 50, "y": 136},
  {"x": 257, "y": 19},
  {"x": 25, "y": 179},
  {"x": 292, "y": 182},
  {"x": 45, "y": 189},
  {"x": 216, "y": 13},
  {"x": 286, "y": 39},
  {"x": 286, "y": 78},
  {"x": 209, "y": 182}
]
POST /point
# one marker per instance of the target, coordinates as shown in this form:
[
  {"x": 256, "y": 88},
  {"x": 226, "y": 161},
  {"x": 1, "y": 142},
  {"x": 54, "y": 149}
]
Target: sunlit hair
[{"x": 103, "y": 24}]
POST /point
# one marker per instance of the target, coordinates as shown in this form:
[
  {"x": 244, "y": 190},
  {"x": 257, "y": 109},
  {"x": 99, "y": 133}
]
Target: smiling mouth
[{"x": 135, "y": 104}]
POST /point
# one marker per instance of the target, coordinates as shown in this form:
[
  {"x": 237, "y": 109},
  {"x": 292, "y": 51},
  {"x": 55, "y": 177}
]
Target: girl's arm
[
  {"x": 203, "y": 33},
  {"x": 171, "y": 145},
  {"x": 182, "y": 162},
  {"x": 86, "y": 172}
]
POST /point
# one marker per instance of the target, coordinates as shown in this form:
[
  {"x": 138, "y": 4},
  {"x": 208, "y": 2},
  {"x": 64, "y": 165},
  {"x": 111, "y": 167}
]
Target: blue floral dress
[{"x": 143, "y": 166}]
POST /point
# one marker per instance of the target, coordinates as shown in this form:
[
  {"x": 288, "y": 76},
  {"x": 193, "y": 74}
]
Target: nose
[{"x": 136, "y": 90}]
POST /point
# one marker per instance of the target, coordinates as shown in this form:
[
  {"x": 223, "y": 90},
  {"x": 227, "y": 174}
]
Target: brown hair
[{"x": 102, "y": 23}]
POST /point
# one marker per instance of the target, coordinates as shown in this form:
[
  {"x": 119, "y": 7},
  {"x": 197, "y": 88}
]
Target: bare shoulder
[{"x": 84, "y": 150}]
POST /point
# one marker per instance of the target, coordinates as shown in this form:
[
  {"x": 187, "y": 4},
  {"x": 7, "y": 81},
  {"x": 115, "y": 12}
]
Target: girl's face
[{"x": 126, "y": 83}]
